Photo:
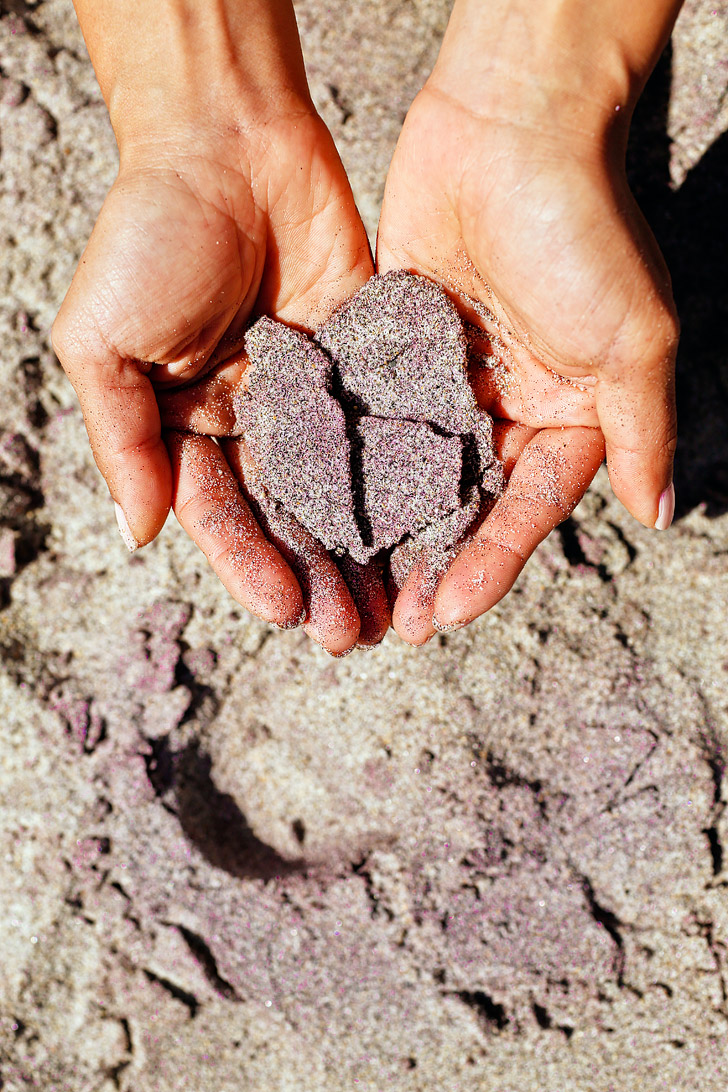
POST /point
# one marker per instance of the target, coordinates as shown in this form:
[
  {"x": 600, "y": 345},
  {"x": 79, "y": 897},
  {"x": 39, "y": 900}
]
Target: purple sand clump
[
  {"x": 493, "y": 481},
  {"x": 402, "y": 456},
  {"x": 483, "y": 442},
  {"x": 297, "y": 433},
  {"x": 296, "y": 543},
  {"x": 434, "y": 543},
  {"x": 400, "y": 351},
  {"x": 410, "y": 477}
]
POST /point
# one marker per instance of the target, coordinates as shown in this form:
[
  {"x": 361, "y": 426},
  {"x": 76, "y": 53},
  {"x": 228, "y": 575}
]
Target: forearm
[
  {"x": 172, "y": 62},
  {"x": 585, "y": 57}
]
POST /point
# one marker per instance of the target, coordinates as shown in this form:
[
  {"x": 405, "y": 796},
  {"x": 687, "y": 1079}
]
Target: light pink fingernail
[
  {"x": 666, "y": 509},
  {"x": 125, "y": 530}
]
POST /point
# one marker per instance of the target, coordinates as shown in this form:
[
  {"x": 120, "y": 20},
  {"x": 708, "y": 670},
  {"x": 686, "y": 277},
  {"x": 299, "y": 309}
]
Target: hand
[
  {"x": 511, "y": 191},
  {"x": 219, "y": 210}
]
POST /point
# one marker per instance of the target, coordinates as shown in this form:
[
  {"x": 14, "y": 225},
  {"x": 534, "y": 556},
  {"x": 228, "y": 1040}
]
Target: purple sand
[
  {"x": 407, "y": 427},
  {"x": 410, "y": 475},
  {"x": 483, "y": 439},
  {"x": 400, "y": 351},
  {"x": 434, "y": 544},
  {"x": 297, "y": 433},
  {"x": 302, "y": 551},
  {"x": 493, "y": 481}
]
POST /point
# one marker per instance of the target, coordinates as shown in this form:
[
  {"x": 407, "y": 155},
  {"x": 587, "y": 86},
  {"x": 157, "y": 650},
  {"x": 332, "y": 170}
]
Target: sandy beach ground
[{"x": 231, "y": 864}]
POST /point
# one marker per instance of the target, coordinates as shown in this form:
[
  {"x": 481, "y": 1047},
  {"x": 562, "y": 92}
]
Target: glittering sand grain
[{"x": 400, "y": 351}]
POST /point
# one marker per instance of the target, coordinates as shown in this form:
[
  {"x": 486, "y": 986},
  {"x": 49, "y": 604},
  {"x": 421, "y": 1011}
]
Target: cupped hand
[
  {"x": 531, "y": 227},
  {"x": 197, "y": 234}
]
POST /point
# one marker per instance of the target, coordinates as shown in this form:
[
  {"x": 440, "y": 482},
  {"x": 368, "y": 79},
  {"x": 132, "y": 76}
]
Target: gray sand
[{"x": 229, "y": 864}]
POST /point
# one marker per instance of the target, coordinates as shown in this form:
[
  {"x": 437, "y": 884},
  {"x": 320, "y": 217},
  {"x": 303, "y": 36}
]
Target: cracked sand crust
[{"x": 369, "y": 434}]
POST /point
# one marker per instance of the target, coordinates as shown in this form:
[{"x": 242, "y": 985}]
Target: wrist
[
  {"x": 173, "y": 71},
  {"x": 571, "y": 65}
]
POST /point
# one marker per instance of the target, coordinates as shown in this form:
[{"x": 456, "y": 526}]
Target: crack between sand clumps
[{"x": 369, "y": 434}]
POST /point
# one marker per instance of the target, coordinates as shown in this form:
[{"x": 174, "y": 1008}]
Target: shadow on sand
[{"x": 691, "y": 225}]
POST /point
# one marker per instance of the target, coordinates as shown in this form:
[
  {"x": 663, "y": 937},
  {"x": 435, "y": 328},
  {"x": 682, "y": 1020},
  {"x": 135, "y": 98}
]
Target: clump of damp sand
[{"x": 369, "y": 433}]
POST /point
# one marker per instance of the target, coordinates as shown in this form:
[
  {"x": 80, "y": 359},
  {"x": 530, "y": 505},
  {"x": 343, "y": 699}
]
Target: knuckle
[
  {"x": 666, "y": 436},
  {"x": 185, "y": 510},
  {"x": 647, "y": 340},
  {"x": 669, "y": 327},
  {"x": 665, "y": 329},
  {"x": 674, "y": 325},
  {"x": 75, "y": 341},
  {"x": 222, "y": 554},
  {"x": 144, "y": 447},
  {"x": 116, "y": 455}
]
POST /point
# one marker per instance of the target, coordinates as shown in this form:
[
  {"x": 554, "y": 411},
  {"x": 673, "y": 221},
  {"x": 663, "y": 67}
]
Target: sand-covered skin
[{"x": 229, "y": 864}]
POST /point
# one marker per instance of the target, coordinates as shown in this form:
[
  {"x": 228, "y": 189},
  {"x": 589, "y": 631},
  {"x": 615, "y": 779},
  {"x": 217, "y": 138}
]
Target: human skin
[
  {"x": 508, "y": 185},
  {"x": 230, "y": 200}
]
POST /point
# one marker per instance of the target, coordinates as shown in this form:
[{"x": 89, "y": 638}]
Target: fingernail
[
  {"x": 125, "y": 530},
  {"x": 666, "y": 509},
  {"x": 442, "y": 627},
  {"x": 294, "y": 623}
]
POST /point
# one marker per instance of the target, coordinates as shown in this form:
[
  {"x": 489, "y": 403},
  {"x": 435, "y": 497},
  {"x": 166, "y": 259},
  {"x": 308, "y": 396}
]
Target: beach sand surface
[{"x": 229, "y": 863}]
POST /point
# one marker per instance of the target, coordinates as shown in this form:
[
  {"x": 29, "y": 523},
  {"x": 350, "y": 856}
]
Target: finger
[
  {"x": 509, "y": 441},
  {"x": 331, "y": 615},
  {"x": 367, "y": 589},
  {"x": 210, "y": 507},
  {"x": 210, "y": 345},
  {"x": 547, "y": 483},
  {"x": 122, "y": 420},
  {"x": 636, "y": 407},
  {"x": 415, "y": 604},
  {"x": 208, "y": 407}
]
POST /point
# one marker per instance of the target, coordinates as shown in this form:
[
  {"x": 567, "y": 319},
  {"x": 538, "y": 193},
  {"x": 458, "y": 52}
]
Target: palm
[
  {"x": 169, "y": 269},
  {"x": 182, "y": 253},
  {"x": 551, "y": 244}
]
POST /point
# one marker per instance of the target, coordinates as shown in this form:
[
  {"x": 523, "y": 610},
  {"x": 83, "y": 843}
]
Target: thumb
[
  {"x": 635, "y": 400},
  {"x": 120, "y": 411}
]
